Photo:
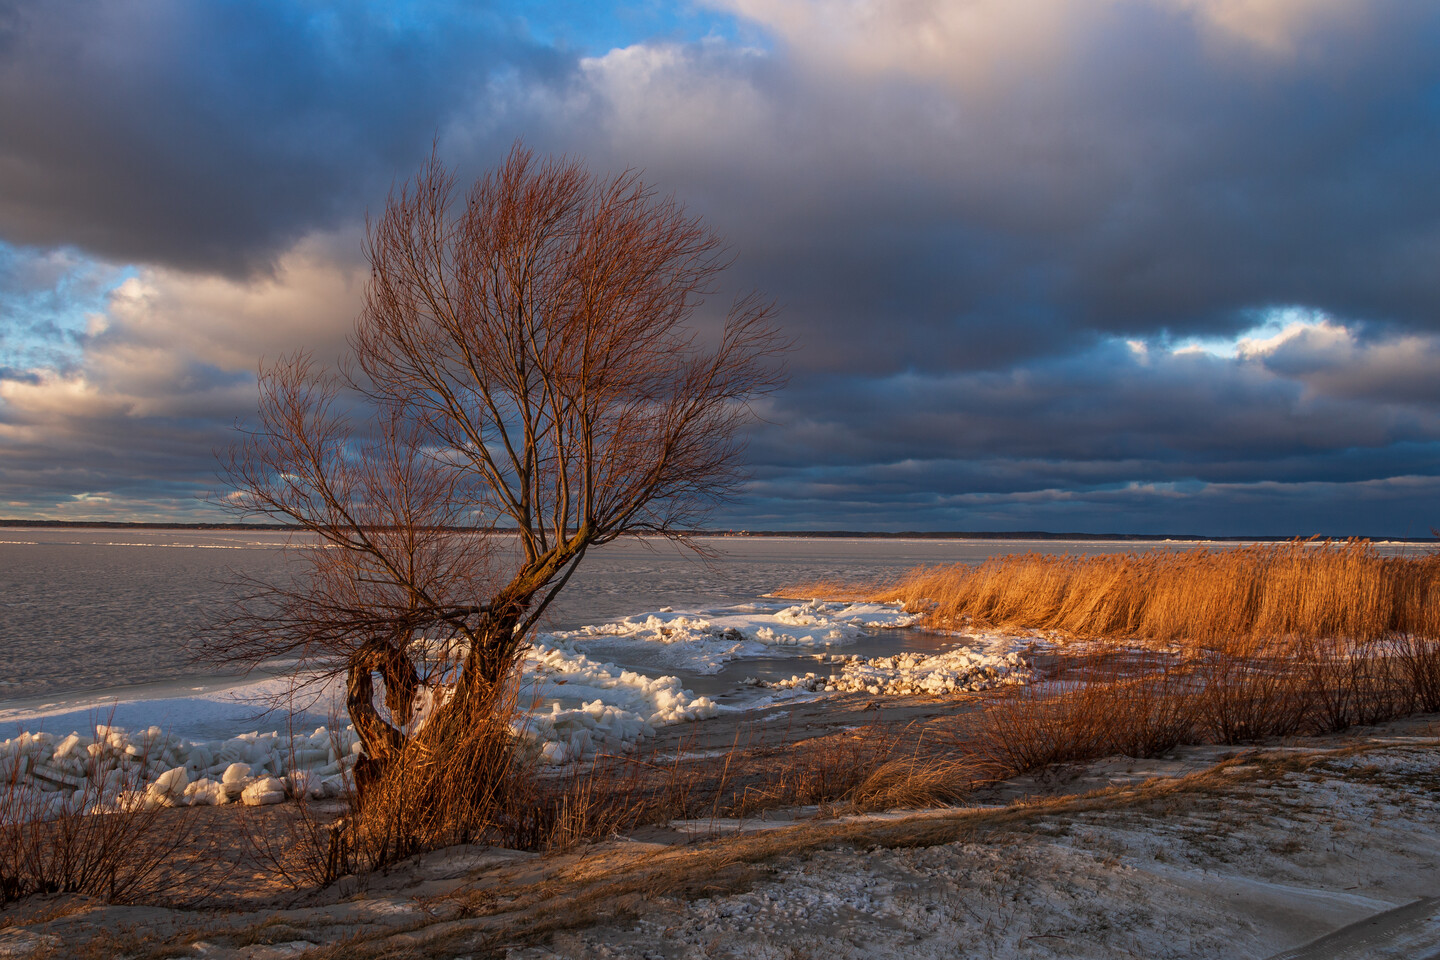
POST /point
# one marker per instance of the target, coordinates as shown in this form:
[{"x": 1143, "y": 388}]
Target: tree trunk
[{"x": 380, "y": 740}]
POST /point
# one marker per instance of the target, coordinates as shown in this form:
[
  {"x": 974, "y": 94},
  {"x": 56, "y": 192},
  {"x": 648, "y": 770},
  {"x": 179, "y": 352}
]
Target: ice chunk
[
  {"x": 171, "y": 783},
  {"x": 235, "y": 773},
  {"x": 264, "y": 791}
]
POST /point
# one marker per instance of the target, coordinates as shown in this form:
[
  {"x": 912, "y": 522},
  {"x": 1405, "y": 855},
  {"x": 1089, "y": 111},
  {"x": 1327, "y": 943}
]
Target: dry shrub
[
  {"x": 472, "y": 784},
  {"x": 1250, "y": 691},
  {"x": 1419, "y": 660},
  {"x": 1114, "y": 706},
  {"x": 1039, "y": 725},
  {"x": 1348, "y": 683},
  {"x": 817, "y": 771},
  {"x": 1150, "y": 714},
  {"x": 121, "y": 856},
  {"x": 869, "y": 769},
  {"x": 611, "y": 794},
  {"x": 482, "y": 784}
]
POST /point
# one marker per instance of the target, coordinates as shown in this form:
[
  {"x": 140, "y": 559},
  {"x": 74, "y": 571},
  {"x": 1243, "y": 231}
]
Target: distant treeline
[{"x": 833, "y": 534}]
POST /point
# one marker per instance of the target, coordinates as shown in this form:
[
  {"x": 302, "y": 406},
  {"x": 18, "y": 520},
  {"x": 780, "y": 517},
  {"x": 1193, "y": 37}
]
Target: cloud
[
  {"x": 162, "y": 375},
  {"x": 1038, "y": 254},
  {"x": 978, "y": 42},
  {"x": 1140, "y": 180},
  {"x": 213, "y": 136},
  {"x": 1333, "y": 361},
  {"x": 1307, "y": 412}
]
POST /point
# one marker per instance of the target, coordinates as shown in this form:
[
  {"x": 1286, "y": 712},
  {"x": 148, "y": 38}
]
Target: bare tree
[{"x": 524, "y": 361}]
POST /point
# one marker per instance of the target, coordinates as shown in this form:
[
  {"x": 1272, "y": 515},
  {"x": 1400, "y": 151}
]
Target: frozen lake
[
  {"x": 96, "y": 611},
  {"x": 104, "y": 615}
]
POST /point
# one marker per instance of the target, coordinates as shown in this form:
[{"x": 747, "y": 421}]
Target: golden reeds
[
  {"x": 1265, "y": 640},
  {"x": 1203, "y": 597}
]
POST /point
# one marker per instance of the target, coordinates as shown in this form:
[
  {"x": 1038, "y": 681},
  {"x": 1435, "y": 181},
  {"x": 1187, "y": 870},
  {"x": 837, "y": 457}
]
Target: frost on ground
[
  {"x": 1264, "y": 866},
  {"x": 1172, "y": 858}
]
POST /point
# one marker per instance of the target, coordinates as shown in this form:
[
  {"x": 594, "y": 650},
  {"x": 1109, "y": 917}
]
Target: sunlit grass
[{"x": 1206, "y": 597}]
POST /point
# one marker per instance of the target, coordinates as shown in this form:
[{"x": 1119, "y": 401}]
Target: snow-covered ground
[
  {"x": 599, "y": 688},
  {"x": 1315, "y": 849},
  {"x": 1260, "y": 861}
]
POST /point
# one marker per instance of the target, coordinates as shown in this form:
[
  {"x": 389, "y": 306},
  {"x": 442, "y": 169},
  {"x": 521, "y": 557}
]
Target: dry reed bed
[
  {"x": 1304, "y": 637},
  {"x": 1315, "y": 590}
]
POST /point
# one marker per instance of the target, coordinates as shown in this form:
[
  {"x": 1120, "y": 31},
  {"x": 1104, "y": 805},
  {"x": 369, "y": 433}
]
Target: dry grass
[
  {"x": 1203, "y": 597},
  {"x": 474, "y": 784},
  {"x": 1124, "y": 705},
  {"x": 868, "y": 769},
  {"x": 1272, "y": 640},
  {"x": 488, "y": 790},
  {"x": 913, "y": 782},
  {"x": 1110, "y": 706}
]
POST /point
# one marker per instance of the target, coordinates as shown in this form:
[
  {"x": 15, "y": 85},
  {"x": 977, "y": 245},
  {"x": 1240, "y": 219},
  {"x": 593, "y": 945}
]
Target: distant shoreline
[{"x": 1019, "y": 535}]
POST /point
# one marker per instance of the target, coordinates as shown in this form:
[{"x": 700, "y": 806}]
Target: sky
[{"x": 1109, "y": 266}]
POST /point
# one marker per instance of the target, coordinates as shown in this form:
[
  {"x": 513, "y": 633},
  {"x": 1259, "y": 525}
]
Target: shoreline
[{"x": 1020, "y": 536}]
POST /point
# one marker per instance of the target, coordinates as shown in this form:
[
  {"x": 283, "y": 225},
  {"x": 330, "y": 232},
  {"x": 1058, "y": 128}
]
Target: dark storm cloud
[
  {"x": 112, "y": 467},
  {"x": 213, "y": 135},
  {"x": 1102, "y": 405},
  {"x": 1147, "y": 178},
  {"x": 1164, "y": 435},
  {"x": 1372, "y": 508}
]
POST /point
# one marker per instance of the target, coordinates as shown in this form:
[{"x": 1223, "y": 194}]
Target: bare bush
[
  {"x": 1109, "y": 705},
  {"x": 102, "y": 839},
  {"x": 1250, "y": 691}
]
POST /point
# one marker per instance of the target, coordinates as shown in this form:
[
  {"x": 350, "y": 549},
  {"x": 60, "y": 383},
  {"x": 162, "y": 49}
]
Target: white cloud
[
  {"x": 976, "y": 41},
  {"x": 309, "y": 299},
  {"x": 1274, "y": 26},
  {"x": 181, "y": 345},
  {"x": 1319, "y": 331}
]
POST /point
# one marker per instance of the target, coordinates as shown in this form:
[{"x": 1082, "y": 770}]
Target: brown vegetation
[
  {"x": 1094, "y": 701},
  {"x": 850, "y": 771},
  {"x": 1317, "y": 590},
  {"x": 1258, "y": 641},
  {"x": 121, "y": 856}
]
